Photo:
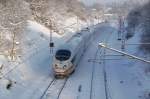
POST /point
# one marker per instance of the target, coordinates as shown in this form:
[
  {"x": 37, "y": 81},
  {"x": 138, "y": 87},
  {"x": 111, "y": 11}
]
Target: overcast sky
[{"x": 91, "y": 2}]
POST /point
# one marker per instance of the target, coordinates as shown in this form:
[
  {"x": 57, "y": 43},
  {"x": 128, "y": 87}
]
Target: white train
[{"x": 68, "y": 55}]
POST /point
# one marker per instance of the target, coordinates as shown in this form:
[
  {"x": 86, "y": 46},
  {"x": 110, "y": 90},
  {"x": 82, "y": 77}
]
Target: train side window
[{"x": 72, "y": 61}]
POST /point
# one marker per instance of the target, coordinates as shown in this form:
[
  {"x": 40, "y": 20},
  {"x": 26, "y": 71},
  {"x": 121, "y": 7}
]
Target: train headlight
[
  {"x": 56, "y": 66},
  {"x": 64, "y": 66}
]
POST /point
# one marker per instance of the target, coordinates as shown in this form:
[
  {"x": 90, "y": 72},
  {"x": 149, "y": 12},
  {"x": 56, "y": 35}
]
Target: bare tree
[{"x": 12, "y": 20}]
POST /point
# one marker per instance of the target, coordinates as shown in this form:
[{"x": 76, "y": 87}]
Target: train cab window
[{"x": 63, "y": 55}]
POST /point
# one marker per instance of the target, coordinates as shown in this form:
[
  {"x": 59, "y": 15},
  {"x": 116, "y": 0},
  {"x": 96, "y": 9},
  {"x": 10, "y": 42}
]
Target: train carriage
[{"x": 67, "y": 55}]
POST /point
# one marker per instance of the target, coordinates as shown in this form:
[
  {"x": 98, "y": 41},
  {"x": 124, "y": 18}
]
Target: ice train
[{"x": 68, "y": 55}]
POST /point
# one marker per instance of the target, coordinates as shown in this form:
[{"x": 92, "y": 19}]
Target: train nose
[
  {"x": 60, "y": 66},
  {"x": 64, "y": 66},
  {"x": 56, "y": 66}
]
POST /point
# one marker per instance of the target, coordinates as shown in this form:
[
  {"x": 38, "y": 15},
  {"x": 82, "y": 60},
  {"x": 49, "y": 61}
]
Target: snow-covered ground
[
  {"x": 22, "y": 78},
  {"x": 126, "y": 77},
  {"x": 117, "y": 77},
  {"x": 32, "y": 68}
]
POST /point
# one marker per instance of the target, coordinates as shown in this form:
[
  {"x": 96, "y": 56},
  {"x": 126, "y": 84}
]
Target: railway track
[
  {"x": 93, "y": 70},
  {"x": 107, "y": 91},
  {"x": 100, "y": 52},
  {"x": 47, "y": 88},
  {"x": 54, "y": 89}
]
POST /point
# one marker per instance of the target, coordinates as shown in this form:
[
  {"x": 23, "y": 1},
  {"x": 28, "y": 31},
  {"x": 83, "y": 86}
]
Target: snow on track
[{"x": 54, "y": 89}]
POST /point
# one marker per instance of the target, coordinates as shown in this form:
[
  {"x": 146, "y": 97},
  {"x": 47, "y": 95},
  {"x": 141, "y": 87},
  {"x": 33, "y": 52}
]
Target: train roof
[{"x": 74, "y": 41}]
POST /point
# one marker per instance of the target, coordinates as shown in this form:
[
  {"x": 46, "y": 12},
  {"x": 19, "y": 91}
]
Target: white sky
[{"x": 91, "y": 2}]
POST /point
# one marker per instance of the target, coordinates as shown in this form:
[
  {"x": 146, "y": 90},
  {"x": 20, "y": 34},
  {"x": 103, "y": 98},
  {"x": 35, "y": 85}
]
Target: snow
[
  {"x": 36, "y": 27},
  {"x": 32, "y": 73},
  {"x": 34, "y": 67},
  {"x": 125, "y": 79}
]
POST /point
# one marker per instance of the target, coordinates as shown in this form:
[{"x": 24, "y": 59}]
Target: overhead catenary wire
[{"x": 124, "y": 53}]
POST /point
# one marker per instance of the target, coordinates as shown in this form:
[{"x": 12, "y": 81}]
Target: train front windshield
[{"x": 63, "y": 55}]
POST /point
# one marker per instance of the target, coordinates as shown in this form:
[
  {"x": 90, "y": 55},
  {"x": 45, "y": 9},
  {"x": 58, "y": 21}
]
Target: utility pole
[
  {"x": 77, "y": 23},
  {"x": 119, "y": 29},
  {"x": 123, "y": 35},
  {"x": 51, "y": 44},
  {"x": 121, "y": 32}
]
